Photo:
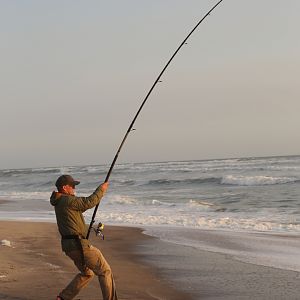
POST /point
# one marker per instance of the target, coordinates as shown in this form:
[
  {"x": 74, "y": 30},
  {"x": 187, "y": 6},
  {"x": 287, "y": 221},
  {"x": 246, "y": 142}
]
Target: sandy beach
[
  {"x": 144, "y": 267},
  {"x": 35, "y": 268}
]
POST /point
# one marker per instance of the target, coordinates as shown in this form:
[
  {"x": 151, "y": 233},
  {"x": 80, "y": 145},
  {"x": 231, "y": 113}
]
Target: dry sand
[{"x": 35, "y": 268}]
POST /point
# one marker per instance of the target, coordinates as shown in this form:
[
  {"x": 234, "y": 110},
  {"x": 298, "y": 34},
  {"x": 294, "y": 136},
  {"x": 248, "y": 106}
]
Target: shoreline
[
  {"x": 35, "y": 267},
  {"x": 144, "y": 267}
]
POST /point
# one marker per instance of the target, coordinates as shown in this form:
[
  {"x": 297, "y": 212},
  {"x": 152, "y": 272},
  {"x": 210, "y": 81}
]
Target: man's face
[{"x": 68, "y": 189}]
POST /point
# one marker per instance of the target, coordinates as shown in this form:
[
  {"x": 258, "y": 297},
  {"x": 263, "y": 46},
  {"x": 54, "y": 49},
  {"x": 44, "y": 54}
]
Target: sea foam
[
  {"x": 255, "y": 180},
  {"x": 6, "y": 243}
]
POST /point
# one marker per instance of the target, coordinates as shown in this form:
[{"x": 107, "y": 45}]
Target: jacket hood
[{"x": 55, "y": 198}]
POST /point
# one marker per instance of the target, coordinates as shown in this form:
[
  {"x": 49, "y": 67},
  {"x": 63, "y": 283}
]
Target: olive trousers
[{"x": 94, "y": 263}]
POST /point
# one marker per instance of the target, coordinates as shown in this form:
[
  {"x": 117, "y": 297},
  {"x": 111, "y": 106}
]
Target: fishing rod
[{"x": 130, "y": 128}]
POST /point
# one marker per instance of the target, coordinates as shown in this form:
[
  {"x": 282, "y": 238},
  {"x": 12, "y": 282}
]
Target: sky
[{"x": 73, "y": 74}]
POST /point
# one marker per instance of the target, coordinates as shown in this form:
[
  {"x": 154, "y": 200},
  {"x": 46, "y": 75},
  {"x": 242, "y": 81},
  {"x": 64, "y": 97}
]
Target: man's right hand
[{"x": 104, "y": 187}]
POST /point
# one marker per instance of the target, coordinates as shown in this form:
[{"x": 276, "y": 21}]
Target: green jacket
[{"x": 70, "y": 221}]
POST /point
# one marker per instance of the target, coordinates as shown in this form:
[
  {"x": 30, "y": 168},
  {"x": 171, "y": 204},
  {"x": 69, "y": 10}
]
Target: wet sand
[
  {"x": 35, "y": 268},
  {"x": 2, "y": 201},
  {"x": 209, "y": 275}
]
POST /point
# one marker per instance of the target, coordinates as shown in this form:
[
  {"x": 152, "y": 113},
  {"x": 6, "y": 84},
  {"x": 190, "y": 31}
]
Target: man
[{"x": 88, "y": 259}]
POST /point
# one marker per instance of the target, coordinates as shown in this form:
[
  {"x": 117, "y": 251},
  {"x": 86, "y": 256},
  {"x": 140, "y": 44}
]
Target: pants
[{"x": 94, "y": 263}]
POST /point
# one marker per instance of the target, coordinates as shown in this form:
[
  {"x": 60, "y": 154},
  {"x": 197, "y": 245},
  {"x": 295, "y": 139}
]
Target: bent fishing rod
[{"x": 130, "y": 128}]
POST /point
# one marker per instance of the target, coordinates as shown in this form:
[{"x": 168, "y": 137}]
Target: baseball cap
[{"x": 66, "y": 180}]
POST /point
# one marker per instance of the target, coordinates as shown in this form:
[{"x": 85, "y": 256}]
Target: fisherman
[{"x": 87, "y": 258}]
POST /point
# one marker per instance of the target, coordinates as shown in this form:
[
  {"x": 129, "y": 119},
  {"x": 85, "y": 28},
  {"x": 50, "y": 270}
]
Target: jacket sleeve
[{"x": 84, "y": 203}]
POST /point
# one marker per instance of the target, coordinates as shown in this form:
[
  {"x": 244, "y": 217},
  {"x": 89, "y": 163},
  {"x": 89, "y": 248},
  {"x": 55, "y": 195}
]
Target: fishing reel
[{"x": 99, "y": 230}]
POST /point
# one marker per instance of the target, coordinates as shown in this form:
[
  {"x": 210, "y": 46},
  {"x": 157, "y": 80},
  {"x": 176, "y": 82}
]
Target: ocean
[{"x": 252, "y": 194}]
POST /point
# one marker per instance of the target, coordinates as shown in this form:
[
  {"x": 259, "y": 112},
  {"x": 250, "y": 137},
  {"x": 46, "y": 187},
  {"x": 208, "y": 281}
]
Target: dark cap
[{"x": 66, "y": 180}]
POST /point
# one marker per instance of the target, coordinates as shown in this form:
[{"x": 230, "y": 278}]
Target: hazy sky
[{"x": 73, "y": 74}]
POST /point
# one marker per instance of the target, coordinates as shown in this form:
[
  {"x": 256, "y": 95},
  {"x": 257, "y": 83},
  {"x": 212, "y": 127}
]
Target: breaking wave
[
  {"x": 184, "y": 181},
  {"x": 157, "y": 202},
  {"x": 26, "y": 195},
  {"x": 206, "y": 206},
  {"x": 121, "y": 200},
  {"x": 256, "y": 180}
]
